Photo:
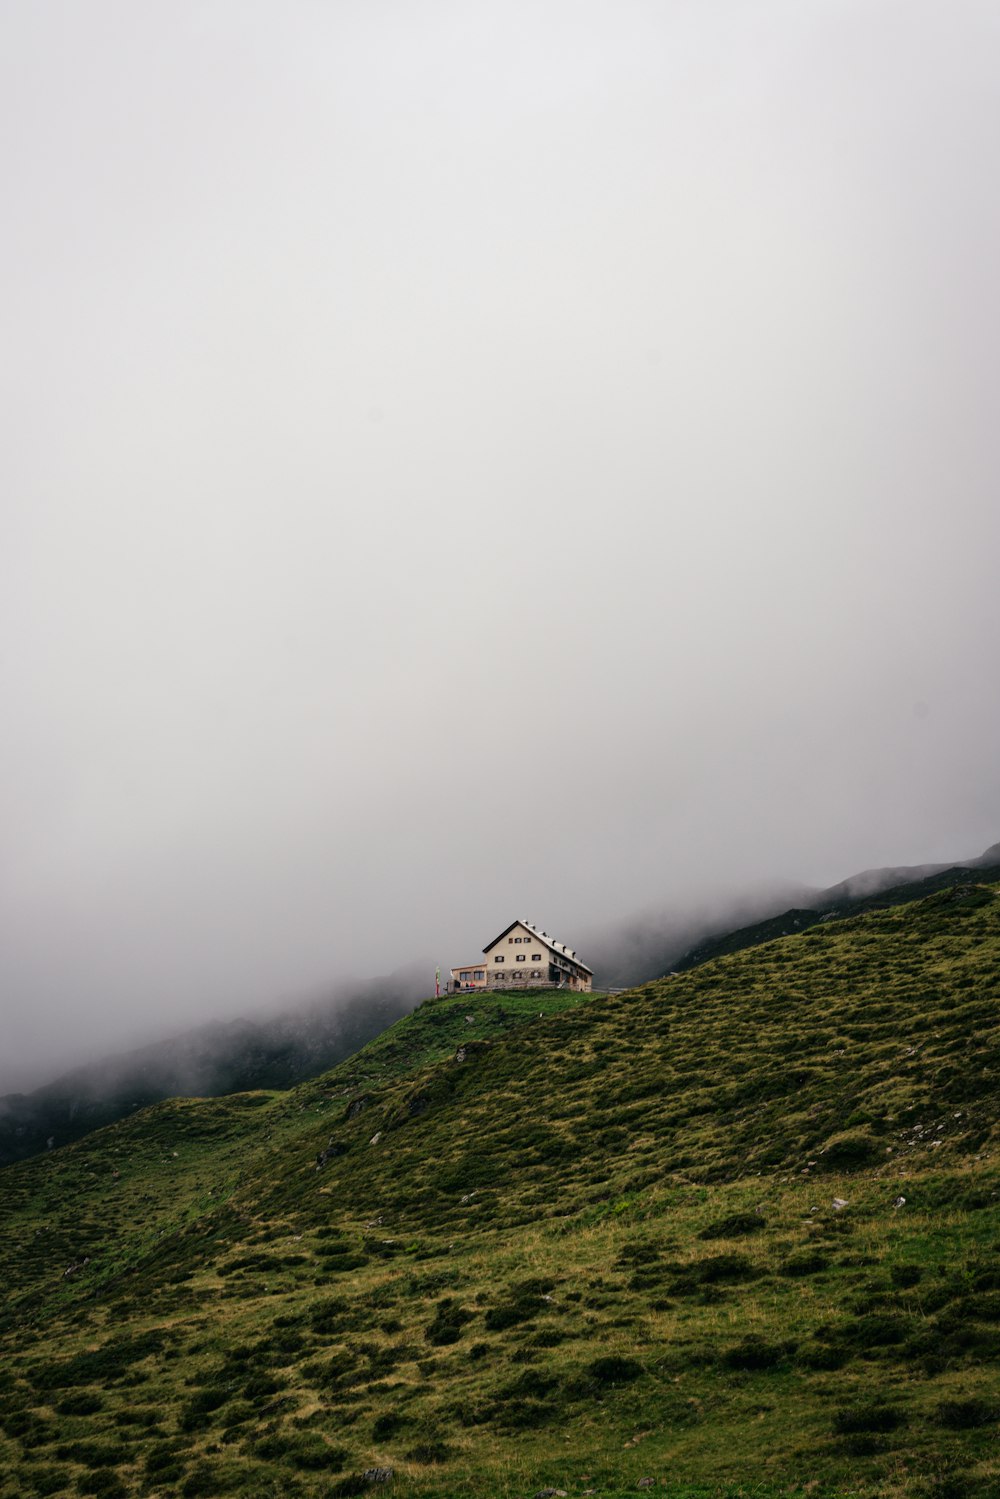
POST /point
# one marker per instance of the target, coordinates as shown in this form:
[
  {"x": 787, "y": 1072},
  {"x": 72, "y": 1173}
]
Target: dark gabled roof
[{"x": 559, "y": 948}]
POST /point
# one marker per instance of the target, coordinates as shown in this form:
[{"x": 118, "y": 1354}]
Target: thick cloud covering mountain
[{"x": 464, "y": 462}]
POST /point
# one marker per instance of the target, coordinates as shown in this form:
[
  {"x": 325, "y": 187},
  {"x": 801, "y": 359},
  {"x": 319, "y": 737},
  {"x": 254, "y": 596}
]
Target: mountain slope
[
  {"x": 869, "y": 891},
  {"x": 658, "y": 1235},
  {"x": 289, "y": 1048},
  {"x": 223, "y": 1057},
  {"x": 645, "y": 950}
]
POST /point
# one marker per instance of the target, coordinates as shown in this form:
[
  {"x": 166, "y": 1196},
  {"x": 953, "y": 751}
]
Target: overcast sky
[{"x": 463, "y": 461}]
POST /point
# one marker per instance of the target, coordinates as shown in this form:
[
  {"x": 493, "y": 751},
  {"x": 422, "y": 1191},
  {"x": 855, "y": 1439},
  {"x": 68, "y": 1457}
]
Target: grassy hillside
[
  {"x": 851, "y": 898},
  {"x": 222, "y": 1057},
  {"x": 732, "y": 1232},
  {"x": 286, "y": 1049}
]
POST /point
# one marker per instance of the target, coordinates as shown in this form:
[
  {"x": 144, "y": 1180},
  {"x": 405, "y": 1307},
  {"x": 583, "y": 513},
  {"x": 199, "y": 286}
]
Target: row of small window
[
  {"x": 522, "y": 957},
  {"x": 536, "y": 973},
  {"x": 525, "y": 940}
]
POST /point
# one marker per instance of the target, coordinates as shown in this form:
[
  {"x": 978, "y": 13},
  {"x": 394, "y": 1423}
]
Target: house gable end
[
  {"x": 521, "y": 934},
  {"x": 505, "y": 933},
  {"x": 533, "y": 935}
]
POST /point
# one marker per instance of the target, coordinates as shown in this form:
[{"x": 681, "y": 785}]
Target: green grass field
[{"x": 734, "y": 1232}]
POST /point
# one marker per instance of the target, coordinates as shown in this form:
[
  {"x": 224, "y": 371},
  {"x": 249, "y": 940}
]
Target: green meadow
[{"x": 734, "y": 1232}]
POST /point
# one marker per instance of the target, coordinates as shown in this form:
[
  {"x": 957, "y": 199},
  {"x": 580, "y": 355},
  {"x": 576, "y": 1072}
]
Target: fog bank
[{"x": 465, "y": 464}]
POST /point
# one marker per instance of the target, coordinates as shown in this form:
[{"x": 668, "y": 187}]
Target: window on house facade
[
  {"x": 498, "y": 958},
  {"x": 536, "y": 957},
  {"x": 521, "y": 958}
]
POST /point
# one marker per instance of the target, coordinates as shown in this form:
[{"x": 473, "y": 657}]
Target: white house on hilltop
[{"x": 525, "y": 957}]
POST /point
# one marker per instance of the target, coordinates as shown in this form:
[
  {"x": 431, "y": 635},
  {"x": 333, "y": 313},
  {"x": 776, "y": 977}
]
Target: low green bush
[
  {"x": 965, "y": 1415},
  {"x": 735, "y": 1226},
  {"x": 86, "y": 1403},
  {"x": 755, "y": 1353},
  {"x": 868, "y": 1416},
  {"x": 449, "y": 1321}
]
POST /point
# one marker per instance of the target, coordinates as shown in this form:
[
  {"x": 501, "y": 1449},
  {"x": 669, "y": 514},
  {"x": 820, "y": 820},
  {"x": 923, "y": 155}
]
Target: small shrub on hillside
[
  {"x": 387, "y": 1424},
  {"x": 338, "y": 1262},
  {"x": 612, "y": 1370},
  {"x": 102, "y": 1485},
  {"x": 964, "y": 1415},
  {"x": 94, "y": 1454},
  {"x": 718, "y": 1269},
  {"x": 159, "y": 1458},
  {"x": 40, "y": 1433},
  {"x": 984, "y": 1308},
  {"x": 280, "y": 1348},
  {"x": 805, "y": 1262},
  {"x": 46, "y": 1481},
  {"x": 530, "y": 1384},
  {"x": 262, "y": 1385},
  {"x": 332, "y": 1314},
  {"x": 736, "y": 1226},
  {"x": 289, "y": 1319},
  {"x": 145, "y": 1416},
  {"x": 31, "y": 1430},
  {"x": 864, "y": 1444},
  {"x": 755, "y": 1353},
  {"x": 204, "y": 1482},
  {"x": 640, "y": 1252},
  {"x": 522, "y": 1414},
  {"x": 850, "y": 1153},
  {"x": 951, "y": 1485},
  {"x": 202, "y": 1406},
  {"x": 100, "y": 1367},
  {"x": 305, "y": 1450},
  {"x": 868, "y": 1416},
  {"x": 549, "y": 1337},
  {"x": 83, "y": 1404},
  {"x": 876, "y": 1331},
  {"x": 432, "y": 1450},
  {"x": 349, "y": 1486},
  {"x": 986, "y": 1278},
  {"x": 523, "y": 1306},
  {"x": 449, "y": 1320},
  {"x": 820, "y": 1356}
]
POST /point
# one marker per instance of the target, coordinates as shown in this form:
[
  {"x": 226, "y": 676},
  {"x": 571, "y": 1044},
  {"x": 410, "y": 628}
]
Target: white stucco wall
[{"x": 509, "y": 949}]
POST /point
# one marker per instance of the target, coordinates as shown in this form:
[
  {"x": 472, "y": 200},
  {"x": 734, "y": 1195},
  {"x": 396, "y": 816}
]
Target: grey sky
[{"x": 465, "y": 461}]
